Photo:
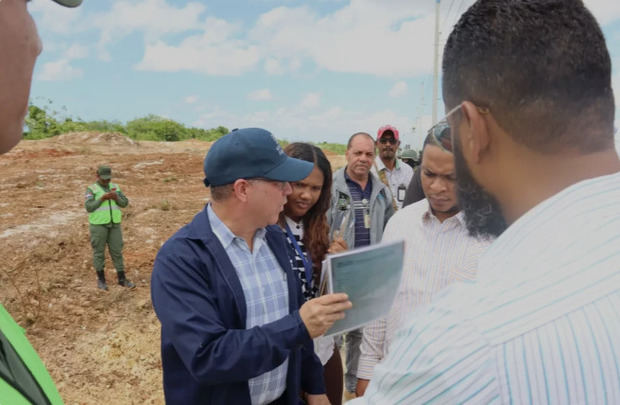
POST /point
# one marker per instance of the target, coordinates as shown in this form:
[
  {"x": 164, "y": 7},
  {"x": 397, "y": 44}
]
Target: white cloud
[
  {"x": 364, "y": 37},
  {"x": 311, "y": 101},
  {"x": 62, "y": 69},
  {"x": 59, "y": 70},
  {"x": 50, "y": 17},
  {"x": 605, "y": 11},
  {"x": 76, "y": 51},
  {"x": 260, "y": 95},
  {"x": 273, "y": 66},
  {"x": 154, "y": 17},
  {"x": 197, "y": 55},
  {"x": 215, "y": 52},
  {"x": 331, "y": 124},
  {"x": 398, "y": 90},
  {"x": 190, "y": 99}
]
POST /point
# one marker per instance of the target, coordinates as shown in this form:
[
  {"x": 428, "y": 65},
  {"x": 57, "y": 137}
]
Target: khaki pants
[{"x": 100, "y": 236}]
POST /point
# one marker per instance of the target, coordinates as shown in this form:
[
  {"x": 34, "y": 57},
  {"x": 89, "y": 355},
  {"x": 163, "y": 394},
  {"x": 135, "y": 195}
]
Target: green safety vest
[
  {"x": 108, "y": 211},
  {"x": 23, "y": 377}
]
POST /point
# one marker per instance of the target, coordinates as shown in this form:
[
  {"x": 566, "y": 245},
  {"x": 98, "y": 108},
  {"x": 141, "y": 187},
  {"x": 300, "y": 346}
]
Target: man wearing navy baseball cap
[{"x": 235, "y": 329}]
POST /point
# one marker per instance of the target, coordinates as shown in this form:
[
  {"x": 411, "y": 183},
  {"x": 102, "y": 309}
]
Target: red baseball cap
[{"x": 385, "y": 128}]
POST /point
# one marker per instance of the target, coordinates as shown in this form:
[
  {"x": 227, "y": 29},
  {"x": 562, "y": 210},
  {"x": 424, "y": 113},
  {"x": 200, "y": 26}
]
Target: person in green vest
[
  {"x": 104, "y": 201},
  {"x": 23, "y": 376}
]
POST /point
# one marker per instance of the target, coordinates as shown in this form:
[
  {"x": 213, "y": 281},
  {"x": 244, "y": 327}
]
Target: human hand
[
  {"x": 338, "y": 245},
  {"x": 320, "y": 399},
  {"x": 110, "y": 195},
  {"x": 360, "y": 389},
  {"x": 319, "y": 314}
]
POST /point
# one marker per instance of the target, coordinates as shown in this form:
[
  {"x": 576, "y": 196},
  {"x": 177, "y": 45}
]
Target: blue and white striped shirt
[
  {"x": 541, "y": 325},
  {"x": 360, "y": 200},
  {"x": 266, "y": 297}
]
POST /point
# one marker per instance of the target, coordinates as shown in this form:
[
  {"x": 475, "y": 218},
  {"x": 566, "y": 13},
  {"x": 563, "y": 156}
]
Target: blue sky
[{"x": 306, "y": 70}]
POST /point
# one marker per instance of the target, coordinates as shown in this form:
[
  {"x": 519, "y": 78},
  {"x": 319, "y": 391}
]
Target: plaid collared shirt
[{"x": 266, "y": 297}]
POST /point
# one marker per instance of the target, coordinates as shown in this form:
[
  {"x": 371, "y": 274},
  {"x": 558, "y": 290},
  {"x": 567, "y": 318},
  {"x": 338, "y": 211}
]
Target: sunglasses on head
[
  {"x": 441, "y": 132},
  {"x": 442, "y": 135},
  {"x": 391, "y": 141}
]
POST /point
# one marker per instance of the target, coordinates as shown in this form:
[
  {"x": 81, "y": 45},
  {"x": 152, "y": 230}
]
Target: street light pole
[{"x": 436, "y": 64}]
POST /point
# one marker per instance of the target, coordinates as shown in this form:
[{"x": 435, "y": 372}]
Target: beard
[
  {"x": 387, "y": 154},
  {"x": 483, "y": 215}
]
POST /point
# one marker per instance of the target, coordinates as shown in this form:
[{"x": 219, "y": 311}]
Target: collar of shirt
[
  {"x": 297, "y": 228},
  {"x": 381, "y": 165},
  {"x": 224, "y": 234},
  {"x": 428, "y": 215},
  {"x": 350, "y": 181}
]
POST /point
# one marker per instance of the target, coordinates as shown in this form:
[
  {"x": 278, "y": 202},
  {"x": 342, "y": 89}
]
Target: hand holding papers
[
  {"x": 369, "y": 276},
  {"x": 319, "y": 314}
]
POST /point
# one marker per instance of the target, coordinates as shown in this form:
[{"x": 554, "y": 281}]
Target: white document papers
[{"x": 370, "y": 276}]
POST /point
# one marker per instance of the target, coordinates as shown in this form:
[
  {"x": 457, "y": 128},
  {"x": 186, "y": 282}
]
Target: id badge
[
  {"x": 400, "y": 193},
  {"x": 367, "y": 220}
]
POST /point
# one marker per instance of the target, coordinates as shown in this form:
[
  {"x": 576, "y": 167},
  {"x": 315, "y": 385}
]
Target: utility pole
[{"x": 436, "y": 63}]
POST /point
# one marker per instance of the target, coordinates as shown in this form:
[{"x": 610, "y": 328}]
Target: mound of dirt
[{"x": 94, "y": 138}]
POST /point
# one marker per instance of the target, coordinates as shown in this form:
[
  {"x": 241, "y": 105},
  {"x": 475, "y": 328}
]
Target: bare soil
[{"x": 100, "y": 347}]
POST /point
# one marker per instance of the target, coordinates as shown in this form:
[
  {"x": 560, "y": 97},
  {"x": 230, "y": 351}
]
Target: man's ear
[
  {"x": 240, "y": 189},
  {"x": 476, "y": 139}
]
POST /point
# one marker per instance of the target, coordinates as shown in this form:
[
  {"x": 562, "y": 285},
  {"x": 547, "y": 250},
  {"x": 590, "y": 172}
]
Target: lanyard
[{"x": 306, "y": 260}]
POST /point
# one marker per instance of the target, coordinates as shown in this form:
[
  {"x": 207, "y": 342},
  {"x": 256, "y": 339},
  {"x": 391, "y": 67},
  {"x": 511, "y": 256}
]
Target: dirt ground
[{"x": 100, "y": 347}]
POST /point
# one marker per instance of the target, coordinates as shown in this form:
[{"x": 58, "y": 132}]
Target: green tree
[
  {"x": 40, "y": 124},
  {"x": 156, "y": 128}
]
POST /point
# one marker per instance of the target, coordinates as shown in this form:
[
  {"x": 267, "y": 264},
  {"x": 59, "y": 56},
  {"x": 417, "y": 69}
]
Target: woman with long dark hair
[{"x": 304, "y": 222}]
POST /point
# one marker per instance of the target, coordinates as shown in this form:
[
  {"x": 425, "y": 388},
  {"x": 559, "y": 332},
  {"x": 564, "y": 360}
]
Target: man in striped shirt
[
  {"x": 528, "y": 87},
  {"x": 439, "y": 251}
]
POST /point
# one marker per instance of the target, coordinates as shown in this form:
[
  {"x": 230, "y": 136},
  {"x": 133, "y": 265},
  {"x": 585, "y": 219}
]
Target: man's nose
[{"x": 287, "y": 188}]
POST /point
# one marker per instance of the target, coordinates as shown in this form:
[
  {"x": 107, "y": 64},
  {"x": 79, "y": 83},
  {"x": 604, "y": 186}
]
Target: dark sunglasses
[{"x": 391, "y": 141}]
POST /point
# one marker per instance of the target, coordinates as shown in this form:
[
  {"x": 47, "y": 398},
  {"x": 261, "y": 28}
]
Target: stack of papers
[{"x": 370, "y": 276}]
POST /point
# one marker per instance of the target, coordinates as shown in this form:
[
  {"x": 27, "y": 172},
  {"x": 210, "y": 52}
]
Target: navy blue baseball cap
[
  {"x": 251, "y": 153},
  {"x": 69, "y": 3}
]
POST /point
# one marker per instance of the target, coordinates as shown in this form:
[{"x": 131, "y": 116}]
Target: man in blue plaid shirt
[{"x": 235, "y": 328}]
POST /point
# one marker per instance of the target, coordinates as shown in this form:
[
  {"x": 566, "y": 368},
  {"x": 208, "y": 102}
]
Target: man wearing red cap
[{"x": 392, "y": 171}]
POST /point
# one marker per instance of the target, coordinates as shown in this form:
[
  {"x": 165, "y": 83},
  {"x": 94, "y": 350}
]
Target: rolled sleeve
[{"x": 373, "y": 343}]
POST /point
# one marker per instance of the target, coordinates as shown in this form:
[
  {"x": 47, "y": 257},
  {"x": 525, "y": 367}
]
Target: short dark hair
[
  {"x": 359, "y": 134},
  {"x": 541, "y": 66}
]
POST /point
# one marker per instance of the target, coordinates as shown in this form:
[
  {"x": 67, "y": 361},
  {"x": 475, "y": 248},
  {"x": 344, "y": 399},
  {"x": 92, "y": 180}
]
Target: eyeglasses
[
  {"x": 384, "y": 140},
  {"x": 280, "y": 184},
  {"x": 442, "y": 133}
]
